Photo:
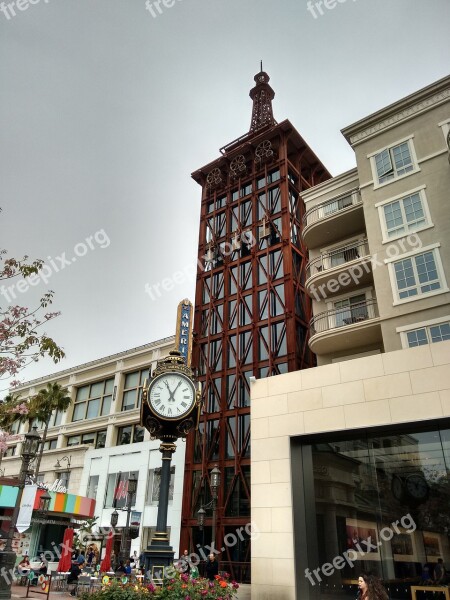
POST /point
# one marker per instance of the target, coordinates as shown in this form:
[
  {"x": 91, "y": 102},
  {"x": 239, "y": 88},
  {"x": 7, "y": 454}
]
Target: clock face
[
  {"x": 416, "y": 486},
  {"x": 172, "y": 395}
]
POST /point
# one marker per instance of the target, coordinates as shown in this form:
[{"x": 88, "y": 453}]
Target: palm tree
[{"x": 53, "y": 397}]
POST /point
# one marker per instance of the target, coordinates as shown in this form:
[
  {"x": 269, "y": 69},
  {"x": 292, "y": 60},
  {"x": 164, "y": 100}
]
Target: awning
[{"x": 70, "y": 504}]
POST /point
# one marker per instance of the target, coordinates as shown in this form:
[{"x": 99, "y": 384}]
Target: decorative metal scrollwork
[
  {"x": 185, "y": 427},
  {"x": 264, "y": 152},
  {"x": 153, "y": 427},
  {"x": 214, "y": 178},
  {"x": 238, "y": 167}
]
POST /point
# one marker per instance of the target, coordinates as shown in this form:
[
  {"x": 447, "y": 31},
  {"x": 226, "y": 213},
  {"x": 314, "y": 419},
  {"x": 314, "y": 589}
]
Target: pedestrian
[
  {"x": 212, "y": 567},
  {"x": 75, "y": 571},
  {"x": 370, "y": 587},
  {"x": 439, "y": 572},
  {"x": 80, "y": 558}
]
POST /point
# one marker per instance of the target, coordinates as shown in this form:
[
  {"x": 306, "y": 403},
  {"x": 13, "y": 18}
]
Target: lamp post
[
  {"x": 30, "y": 447},
  {"x": 125, "y": 537},
  {"x": 214, "y": 484},
  {"x": 67, "y": 459}
]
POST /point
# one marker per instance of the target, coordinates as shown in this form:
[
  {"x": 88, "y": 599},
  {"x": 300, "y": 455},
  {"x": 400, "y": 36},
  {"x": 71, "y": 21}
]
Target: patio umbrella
[
  {"x": 65, "y": 560},
  {"x": 106, "y": 562}
]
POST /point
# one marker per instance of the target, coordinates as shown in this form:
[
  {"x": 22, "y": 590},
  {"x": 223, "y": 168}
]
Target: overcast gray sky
[{"x": 106, "y": 110}]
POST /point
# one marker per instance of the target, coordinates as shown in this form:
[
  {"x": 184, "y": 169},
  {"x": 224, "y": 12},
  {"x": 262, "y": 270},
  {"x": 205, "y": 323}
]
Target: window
[
  {"x": 117, "y": 488},
  {"x": 93, "y": 400},
  {"x": 130, "y": 434},
  {"x": 393, "y": 162},
  {"x": 418, "y": 275},
  {"x": 50, "y": 444},
  {"x": 404, "y": 214},
  {"x": 10, "y": 451},
  {"x": 132, "y": 389},
  {"x": 351, "y": 310},
  {"x": 154, "y": 484},
  {"x": 63, "y": 478},
  {"x": 92, "y": 487},
  {"x": 429, "y": 333},
  {"x": 93, "y": 438}
]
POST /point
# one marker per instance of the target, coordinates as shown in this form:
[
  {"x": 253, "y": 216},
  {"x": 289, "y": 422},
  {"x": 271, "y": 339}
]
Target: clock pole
[
  {"x": 170, "y": 409},
  {"x": 161, "y": 536}
]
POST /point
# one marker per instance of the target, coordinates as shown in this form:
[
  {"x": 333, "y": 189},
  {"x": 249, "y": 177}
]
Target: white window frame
[
  {"x": 420, "y": 296},
  {"x": 412, "y": 152},
  {"x": 380, "y": 206},
  {"x": 405, "y": 329}
]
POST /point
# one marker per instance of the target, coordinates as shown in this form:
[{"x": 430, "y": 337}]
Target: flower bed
[{"x": 179, "y": 587}]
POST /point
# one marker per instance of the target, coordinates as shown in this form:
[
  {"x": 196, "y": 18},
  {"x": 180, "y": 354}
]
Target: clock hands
[{"x": 172, "y": 394}]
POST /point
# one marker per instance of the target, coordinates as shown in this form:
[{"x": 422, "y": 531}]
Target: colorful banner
[
  {"x": 79, "y": 506},
  {"x": 26, "y": 508}
]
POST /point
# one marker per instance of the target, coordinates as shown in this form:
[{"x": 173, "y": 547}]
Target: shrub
[{"x": 179, "y": 587}]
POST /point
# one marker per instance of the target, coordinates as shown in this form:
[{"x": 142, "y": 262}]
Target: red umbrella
[
  {"x": 65, "y": 560},
  {"x": 106, "y": 562}
]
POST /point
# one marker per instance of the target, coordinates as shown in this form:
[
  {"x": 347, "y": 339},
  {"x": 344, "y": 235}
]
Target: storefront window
[{"x": 382, "y": 504}]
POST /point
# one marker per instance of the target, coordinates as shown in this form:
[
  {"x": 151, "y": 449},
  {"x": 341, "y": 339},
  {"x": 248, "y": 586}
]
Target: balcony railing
[
  {"x": 345, "y": 315},
  {"x": 331, "y": 207},
  {"x": 336, "y": 257}
]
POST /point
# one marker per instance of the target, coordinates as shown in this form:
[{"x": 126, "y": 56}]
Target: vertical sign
[
  {"x": 26, "y": 508},
  {"x": 183, "y": 336}
]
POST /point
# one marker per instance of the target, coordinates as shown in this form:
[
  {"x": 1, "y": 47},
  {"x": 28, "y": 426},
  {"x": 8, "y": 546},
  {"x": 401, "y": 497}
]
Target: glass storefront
[{"x": 378, "y": 502}]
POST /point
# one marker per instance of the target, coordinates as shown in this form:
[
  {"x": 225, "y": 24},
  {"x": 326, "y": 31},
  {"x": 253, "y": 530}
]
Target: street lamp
[
  {"x": 67, "y": 459},
  {"x": 30, "y": 447},
  {"x": 114, "y": 518},
  {"x": 214, "y": 484},
  {"x": 125, "y": 537},
  {"x": 44, "y": 502}
]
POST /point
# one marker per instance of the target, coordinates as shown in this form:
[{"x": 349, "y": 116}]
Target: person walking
[
  {"x": 212, "y": 567},
  {"x": 370, "y": 587}
]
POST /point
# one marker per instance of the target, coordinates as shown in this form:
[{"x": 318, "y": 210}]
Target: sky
[{"x": 108, "y": 106}]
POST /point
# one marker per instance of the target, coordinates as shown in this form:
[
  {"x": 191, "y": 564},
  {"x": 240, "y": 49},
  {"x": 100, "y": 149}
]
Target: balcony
[
  {"x": 333, "y": 220},
  {"x": 348, "y": 327},
  {"x": 325, "y": 273}
]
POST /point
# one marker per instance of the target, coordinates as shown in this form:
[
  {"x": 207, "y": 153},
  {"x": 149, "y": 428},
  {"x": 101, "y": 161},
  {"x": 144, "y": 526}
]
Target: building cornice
[
  {"x": 333, "y": 184},
  {"x": 391, "y": 116},
  {"x": 113, "y": 358}
]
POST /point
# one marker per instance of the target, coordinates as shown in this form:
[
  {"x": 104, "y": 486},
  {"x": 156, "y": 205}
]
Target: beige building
[
  {"x": 351, "y": 459},
  {"x": 97, "y": 444},
  {"x": 378, "y": 235}
]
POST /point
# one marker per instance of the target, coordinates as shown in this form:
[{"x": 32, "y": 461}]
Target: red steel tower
[{"x": 251, "y": 312}]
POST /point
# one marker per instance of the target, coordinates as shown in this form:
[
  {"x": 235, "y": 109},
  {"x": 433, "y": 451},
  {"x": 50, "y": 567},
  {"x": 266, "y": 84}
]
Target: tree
[
  {"x": 20, "y": 341},
  {"x": 53, "y": 397},
  {"x": 12, "y": 409}
]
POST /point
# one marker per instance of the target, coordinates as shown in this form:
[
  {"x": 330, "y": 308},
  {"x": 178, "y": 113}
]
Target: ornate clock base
[{"x": 158, "y": 561}]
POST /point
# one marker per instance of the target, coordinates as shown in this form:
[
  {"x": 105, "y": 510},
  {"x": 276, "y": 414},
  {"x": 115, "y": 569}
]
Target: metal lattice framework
[{"x": 251, "y": 319}]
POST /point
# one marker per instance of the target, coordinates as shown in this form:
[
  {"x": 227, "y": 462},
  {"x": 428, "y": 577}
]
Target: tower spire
[{"x": 262, "y": 95}]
